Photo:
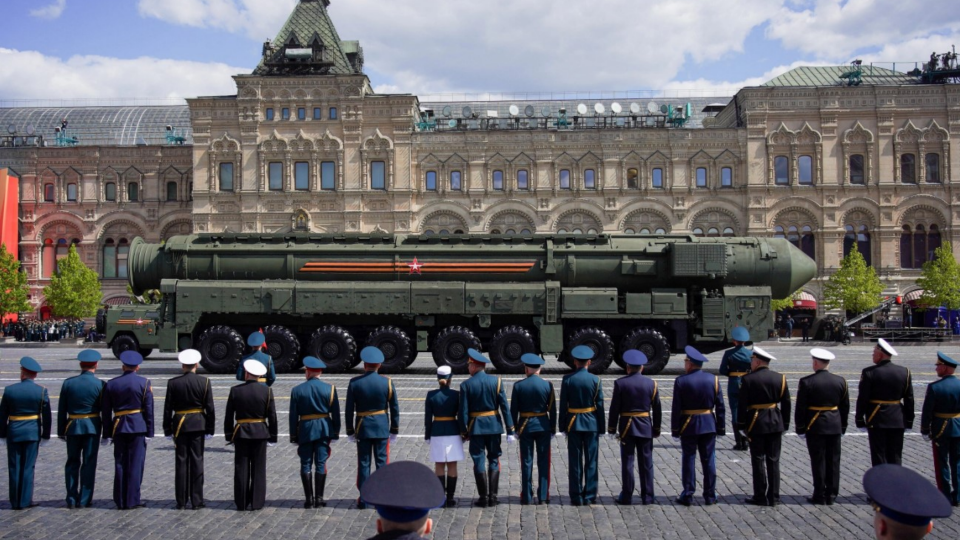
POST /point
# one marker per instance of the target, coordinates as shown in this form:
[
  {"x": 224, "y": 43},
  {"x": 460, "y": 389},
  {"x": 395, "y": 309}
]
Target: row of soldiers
[
  {"x": 121, "y": 412},
  {"x": 48, "y": 330}
]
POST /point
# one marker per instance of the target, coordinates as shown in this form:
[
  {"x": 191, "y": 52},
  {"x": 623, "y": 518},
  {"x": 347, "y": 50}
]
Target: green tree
[
  {"x": 854, "y": 287},
  {"x": 13, "y": 285},
  {"x": 940, "y": 279},
  {"x": 74, "y": 289}
]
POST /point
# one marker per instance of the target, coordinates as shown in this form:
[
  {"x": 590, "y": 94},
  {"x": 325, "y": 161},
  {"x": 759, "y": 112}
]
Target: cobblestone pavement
[{"x": 283, "y": 515}]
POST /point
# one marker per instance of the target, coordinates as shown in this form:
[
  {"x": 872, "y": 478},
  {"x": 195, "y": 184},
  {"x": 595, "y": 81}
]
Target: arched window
[
  {"x": 933, "y": 168},
  {"x": 109, "y": 259},
  {"x": 919, "y": 239},
  {"x": 564, "y": 179},
  {"x": 72, "y": 192},
  {"x": 908, "y": 169},
  {"x": 713, "y": 232},
  {"x": 48, "y": 260},
  {"x": 633, "y": 178},
  {"x": 856, "y": 169},
  {"x": 171, "y": 191},
  {"x": 49, "y": 193},
  {"x": 455, "y": 180},
  {"x": 726, "y": 177},
  {"x": 796, "y": 228},
  {"x": 110, "y": 191},
  {"x": 781, "y": 171},
  {"x": 698, "y": 231},
  {"x": 805, "y": 170},
  {"x": 808, "y": 244},
  {"x": 701, "y": 177},
  {"x": 857, "y": 236},
  {"x": 431, "y": 180},
  {"x": 715, "y": 223},
  {"x": 63, "y": 248},
  {"x": 657, "y": 178},
  {"x": 133, "y": 192},
  {"x": 906, "y": 248},
  {"x": 522, "y": 182},
  {"x": 590, "y": 179},
  {"x": 498, "y": 180}
]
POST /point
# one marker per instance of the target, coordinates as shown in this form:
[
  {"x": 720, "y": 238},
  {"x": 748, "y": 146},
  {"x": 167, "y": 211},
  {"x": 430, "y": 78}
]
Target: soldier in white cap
[
  {"x": 250, "y": 424},
  {"x": 885, "y": 405},
  {"x": 823, "y": 405},
  {"x": 442, "y": 432}
]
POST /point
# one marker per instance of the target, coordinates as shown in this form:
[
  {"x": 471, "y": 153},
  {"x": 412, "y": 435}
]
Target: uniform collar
[
  {"x": 761, "y": 367},
  {"x": 479, "y": 373}
]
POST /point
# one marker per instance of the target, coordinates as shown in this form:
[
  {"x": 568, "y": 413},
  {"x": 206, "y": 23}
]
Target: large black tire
[
  {"x": 450, "y": 346},
  {"x": 596, "y": 339},
  {"x": 335, "y": 346},
  {"x": 651, "y": 343},
  {"x": 508, "y": 345},
  {"x": 283, "y": 346},
  {"x": 145, "y": 352},
  {"x": 124, "y": 343},
  {"x": 221, "y": 348},
  {"x": 394, "y": 343}
]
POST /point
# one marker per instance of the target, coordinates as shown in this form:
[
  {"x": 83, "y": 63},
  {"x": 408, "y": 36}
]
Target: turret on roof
[{"x": 308, "y": 44}]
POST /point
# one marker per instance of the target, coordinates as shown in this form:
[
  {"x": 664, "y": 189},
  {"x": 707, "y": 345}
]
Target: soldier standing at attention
[
  {"x": 127, "y": 415},
  {"x": 314, "y": 425},
  {"x": 763, "y": 417},
  {"x": 189, "y": 419},
  {"x": 480, "y": 422},
  {"x": 885, "y": 405},
  {"x": 371, "y": 397},
  {"x": 533, "y": 410},
  {"x": 24, "y": 427},
  {"x": 904, "y": 502},
  {"x": 256, "y": 343},
  {"x": 441, "y": 430},
  {"x": 403, "y": 494},
  {"x": 735, "y": 364},
  {"x": 940, "y": 424},
  {"x": 250, "y": 424},
  {"x": 697, "y": 418},
  {"x": 635, "y": 417},
  {"x": 78, "y": 424},
  {"x": 823, "y": 405},
  {"x": 581, "y": 421}
]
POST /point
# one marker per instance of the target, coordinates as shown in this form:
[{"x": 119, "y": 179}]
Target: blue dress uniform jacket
[
  {"x": 372, "y": 392},
  {"x": 25, "y": 399},
  {"x": 697, "y": 390},
  {"x": 635, "y": 393},
  {"x": 121, "y": 397},
  {"x": 533, "y": 410},
  {"x": 940, "y": 420},
  {"x": 314, "y": 397},
  {"x": 483, "y": 393},
  {"x": 441, "y": 403},
  {"x": 80, "y": 397},
  {"x": 264, "y": 359},
  {"x": 581, "y": 390}
]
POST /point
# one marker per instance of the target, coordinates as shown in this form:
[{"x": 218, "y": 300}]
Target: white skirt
[{"x": 446, "y": 448}]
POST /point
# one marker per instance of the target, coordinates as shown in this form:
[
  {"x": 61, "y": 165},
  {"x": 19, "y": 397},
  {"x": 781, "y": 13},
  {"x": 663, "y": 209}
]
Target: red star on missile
[{"x": 415, "y": 266}]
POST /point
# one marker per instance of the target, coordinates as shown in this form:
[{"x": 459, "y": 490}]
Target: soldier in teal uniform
[
  {"x": 24, "y": 427},
  {"x": 582, "y": 421},
  {"x": 314, "y": 425},
  {"x": 442, "y": 432},
  {"x": 255, "y": 341},
  {"x": 940, "y": 424},
  {"x": 483, "y": 401},
  {"x": 79, "y": 425},
  {"x": 735, "y": 364},
  {"x": 533, "y": 409},
  {"x": 373, "y": 400}
]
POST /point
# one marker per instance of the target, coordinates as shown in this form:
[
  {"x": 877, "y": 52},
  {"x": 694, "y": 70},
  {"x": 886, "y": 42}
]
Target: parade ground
[{"x": 284, "y": 517}]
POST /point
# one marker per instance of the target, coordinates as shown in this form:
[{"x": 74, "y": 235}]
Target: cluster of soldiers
[
  {"x": 48, "y": 330},
  {"x": 121, "y": 412}
]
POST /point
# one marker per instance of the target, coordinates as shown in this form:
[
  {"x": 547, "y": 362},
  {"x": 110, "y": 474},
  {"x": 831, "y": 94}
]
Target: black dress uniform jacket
[
  {"x": 762, "y": 387},
  {"x": 251, "y": 400},
  {"x": 885, "y": 381},
  {"x": 822, "y": 390},
  {"x": 188, "y": 392}
]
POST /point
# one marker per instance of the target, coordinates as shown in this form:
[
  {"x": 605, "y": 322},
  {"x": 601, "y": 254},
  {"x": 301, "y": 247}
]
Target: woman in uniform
[{"x": 442, "y": 432}]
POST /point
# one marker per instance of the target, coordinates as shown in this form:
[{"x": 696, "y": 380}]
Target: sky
[{"x": 172, "y": 49}]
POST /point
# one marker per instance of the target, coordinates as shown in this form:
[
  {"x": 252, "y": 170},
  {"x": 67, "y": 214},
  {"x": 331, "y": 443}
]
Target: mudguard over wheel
[
  {"x": 450, "y": 346},
  {"x": 651, "y": 343},
  {"x": 221, "y": 348},
  {"x": 394, "y": 343},
  {"x": 508, "y": 345},
  {"x": 283, "y": 346},
  {"x": 124, "y": 343},
  {"x": 596, "y": 339},
  {"x": 335, "y": 347}
]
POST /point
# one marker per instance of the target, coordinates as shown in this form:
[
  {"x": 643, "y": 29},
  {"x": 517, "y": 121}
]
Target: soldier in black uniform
[
  {"x": 403, "y": 494},
  {"x": 250, "y": 424},
  {"x": 189, "y": 420},
  {"x": 823, "y": 405},
  {"x": 885, "y": 405},
  {"x": 763, "y": 416}
]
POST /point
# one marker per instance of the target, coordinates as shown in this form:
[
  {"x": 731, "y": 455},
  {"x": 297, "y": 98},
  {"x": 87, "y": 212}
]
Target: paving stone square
[{"x": 284, "y": 516}]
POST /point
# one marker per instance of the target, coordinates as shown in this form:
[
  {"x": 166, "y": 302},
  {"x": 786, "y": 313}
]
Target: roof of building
[
  {"x": 103, "y": 126},
  {"x": 308, "y": 22},
  {"x": 830, "y": 76}
]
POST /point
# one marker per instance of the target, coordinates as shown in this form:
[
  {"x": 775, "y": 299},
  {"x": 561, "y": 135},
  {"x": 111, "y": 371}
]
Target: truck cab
[{"x": 132, "y": 328}]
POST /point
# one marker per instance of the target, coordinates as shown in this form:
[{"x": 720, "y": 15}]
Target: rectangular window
[
  {"x": 328, "y": 175},
  {"x": 701, "y": 177},
  {"x": 431, "y": 180},
  {"x": 564, "y": 179},
  {"x": 522, "y": 182},
  {"x": 49, "y": 193},
  {"x": 133, "y": 192},
  {"x": 856, "y": 169},
  {"x": 109, "y": 261},
  {"x": 633, "y": 178},
  {"x": 590, "y": 179},
  {"x": 933, "y": 168},
  {"x": 72, "y": 192},
  {"x": 270, "y": 114},
  {"x": 276, "y": 176},
  {"x": 908, "y": 169},
  {"x": 333, "y": 113},
  {"x": 301, "y": 175},
  {"x": 378, "y": 175},
  {"x": 726, "y": 177},
  {"x": 657, "y": 179},
  {"x": 122, "y": 252},
  {"x": 780, "y": 171},
  {"x": 498, "y": 180},
  {"x": 226, "y": 177},
  {"x": 455, "y": 180},
  {"x": 171, "y": 191},
  {"x": 285, "y": 113},
  {"x": 301, "y": 114},
  {"x": 805, "y": 170},
  {"x": 110, "y": 191},
  {"x": 317, "y": 113}
]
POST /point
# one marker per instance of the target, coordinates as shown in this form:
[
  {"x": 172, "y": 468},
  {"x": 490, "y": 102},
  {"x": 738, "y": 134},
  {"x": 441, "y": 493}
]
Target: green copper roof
[
  {"x": 308, "y": 23},
  {"x": 830, "y": 76}
]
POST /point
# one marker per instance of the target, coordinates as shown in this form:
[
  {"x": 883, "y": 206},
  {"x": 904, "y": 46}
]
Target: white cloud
[
  {"x": 32, "y": 75},
  {"x": 258, "y": 19},
  {"x": 53, "y": 11}
]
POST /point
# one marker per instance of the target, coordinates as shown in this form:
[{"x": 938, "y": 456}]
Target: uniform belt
[
  {"x": 475, "y": 415},
  {"x": 317, "y": 416},
  {"x": 364, "y": 414},
  {"x": 118, "y": 414},
  {"x": 24, "y": 418},
  {"x": 879, "y": 403},
  {"x": 241, "y": 421},
  {"x": 574, "y": 412},
  {"x": 818, "y": 410},
  {"x": 690, "y": 413},
  {"x": 444, "y": 418},
  {"x": 756, "y": 413},
  {"x": 945, "y": 416},
  {"x": 72, "y": 417},
  {"x": 737, "y": 373},
  {"x": 526, "y": 419},
  {"x": 630, "y": 416},
  {"x": 183, "y": 417}
]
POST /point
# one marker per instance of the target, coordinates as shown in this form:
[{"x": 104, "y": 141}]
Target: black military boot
[
  {"x": 494, "y": 487},
  {"x": 307, "y": 480},
  {"x": 481, "y": 479},
  {"x": 451, "y": 491},
  {"x": 320, "y": 481}
]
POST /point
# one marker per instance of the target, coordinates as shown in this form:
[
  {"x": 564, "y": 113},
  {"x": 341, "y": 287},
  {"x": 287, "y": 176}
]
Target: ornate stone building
[{"x": 307, "y": 145}]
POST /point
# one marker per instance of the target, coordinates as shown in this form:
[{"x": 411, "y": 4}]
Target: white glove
[
  {"x": 44, "y": 442},
  {"x": 562, "y": 435},
  {"x": 863, "y": 429},
  {"x": 147, "y": 440},
  {"x": 271, "y": 444},
  {"x": 169, "y": 437},
  {"x": 803, "y": 436},
  {"x": 351, "y": 439},
  {"x": 207, "y": 437},
  {"x": 393, "y": 438},
  {"x": 106, "y": 442},
  {"x": 511, "y": 439}
]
